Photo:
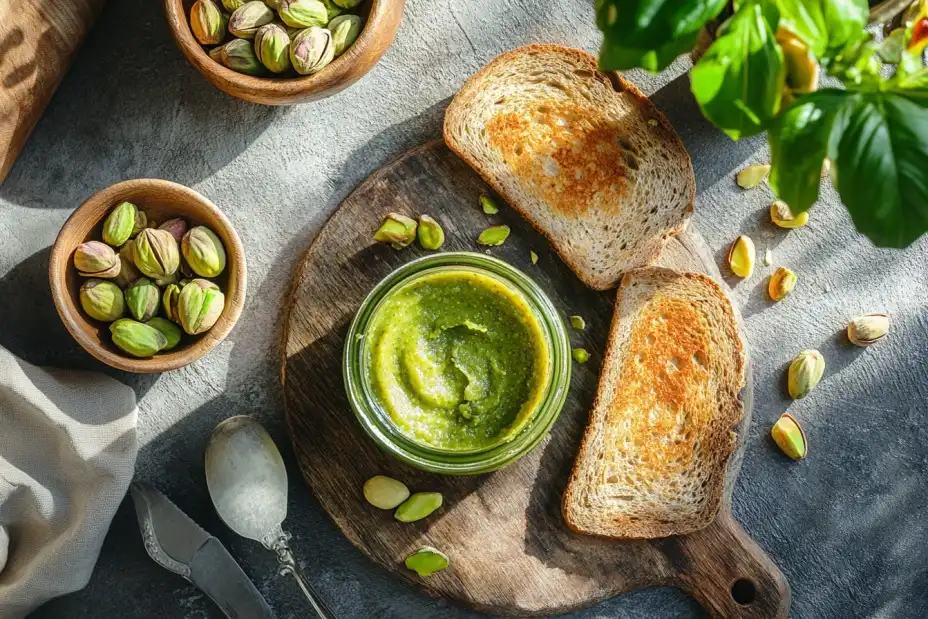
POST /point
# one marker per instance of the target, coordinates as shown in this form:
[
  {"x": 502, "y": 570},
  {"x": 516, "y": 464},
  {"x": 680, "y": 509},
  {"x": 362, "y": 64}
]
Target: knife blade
[{"x": 180, "y": 545}]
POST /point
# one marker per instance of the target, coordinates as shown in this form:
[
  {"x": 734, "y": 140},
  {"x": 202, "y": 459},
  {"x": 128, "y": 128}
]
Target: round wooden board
[{"x": 510, "y": 551}]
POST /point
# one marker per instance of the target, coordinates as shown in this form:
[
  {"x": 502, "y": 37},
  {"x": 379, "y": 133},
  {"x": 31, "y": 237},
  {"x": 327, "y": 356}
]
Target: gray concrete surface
[{"x": 847, "y": 525}]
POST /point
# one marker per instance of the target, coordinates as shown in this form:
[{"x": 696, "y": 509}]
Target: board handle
[{"x": 730, "y": 575}]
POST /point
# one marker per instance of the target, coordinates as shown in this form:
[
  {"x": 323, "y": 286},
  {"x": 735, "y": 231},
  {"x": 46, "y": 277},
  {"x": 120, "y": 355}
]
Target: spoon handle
[{"x": 289, "y": 566}]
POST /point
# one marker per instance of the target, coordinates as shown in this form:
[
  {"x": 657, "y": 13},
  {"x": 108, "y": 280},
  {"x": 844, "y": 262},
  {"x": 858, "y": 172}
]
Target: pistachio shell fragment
[
  {"x": 580, "y": 355},
  {"x": 397, "y": 230},
  {"x": 789, "y": 437},
  {"x": 752, "y": 176},
  {"x": 385, "y": 492},
  {"x": 741, "y": 256},
  {"x": 781, "y": 215},
  {"x": 805, "y": 372},
  {"x": 418, "y": 506},
  {"x": 427, "y": 561},
  {"x": 868, "y": 329},
  {"x": 578, "y": 323},
  {"x": 488, "y": 205},
  {"x": 494, "y": 236},
  {"x": 781, "y": 283},
  {"x": 431, "y": 236}
]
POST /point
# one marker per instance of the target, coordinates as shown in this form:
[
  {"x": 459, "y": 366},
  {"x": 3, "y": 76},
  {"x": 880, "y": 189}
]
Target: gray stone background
[{"x": 847, "y": 525}]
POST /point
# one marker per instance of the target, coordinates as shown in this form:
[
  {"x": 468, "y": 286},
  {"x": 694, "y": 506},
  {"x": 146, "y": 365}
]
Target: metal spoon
[{"x": 247, "y": 481}]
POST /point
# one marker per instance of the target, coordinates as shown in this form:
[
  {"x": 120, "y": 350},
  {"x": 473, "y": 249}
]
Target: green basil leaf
[
  {"x": 878, "y": 147},
  {"x": 798, "y": 146},
  {"x": 650, "y": 33},
  {"x": 826, "y": 26},
  {"x": 739, "y": 82}
]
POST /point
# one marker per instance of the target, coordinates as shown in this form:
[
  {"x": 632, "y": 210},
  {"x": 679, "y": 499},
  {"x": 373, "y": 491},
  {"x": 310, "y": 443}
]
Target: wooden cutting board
[{"x": 510, "y": 551}]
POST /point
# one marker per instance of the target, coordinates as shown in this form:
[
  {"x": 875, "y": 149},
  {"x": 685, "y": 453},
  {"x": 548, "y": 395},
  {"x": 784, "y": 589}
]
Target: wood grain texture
[
  {"x": 511, "y": 553},
  {"x": 38, "y": 39},
  {"x": 162, "y": 200},
  {"x": 381, "y": 21}
]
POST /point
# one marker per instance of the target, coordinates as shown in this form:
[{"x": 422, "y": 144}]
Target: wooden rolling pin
[{"x": 38, "y": 38}]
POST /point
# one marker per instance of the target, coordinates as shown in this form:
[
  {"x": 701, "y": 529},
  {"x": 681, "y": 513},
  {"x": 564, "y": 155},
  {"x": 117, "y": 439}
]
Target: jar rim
[{"x": 378, "y": 424}]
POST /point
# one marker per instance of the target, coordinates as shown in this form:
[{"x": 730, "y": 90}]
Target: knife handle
[{"x": 229, "y": 588}]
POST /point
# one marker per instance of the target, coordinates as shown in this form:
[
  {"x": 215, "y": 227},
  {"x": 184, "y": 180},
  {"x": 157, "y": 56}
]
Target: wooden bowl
[
  {"x": 381, "y": 20},
  {"x": 161, "y": 200}
]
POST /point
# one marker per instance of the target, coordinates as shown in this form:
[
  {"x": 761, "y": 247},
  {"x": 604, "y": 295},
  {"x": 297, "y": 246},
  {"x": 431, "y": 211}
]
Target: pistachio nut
[
  {"x": 753, "y": 175},
  {"x": 495, "y": 235},
  {"x": 488, "y": 205},
  {"x": 168, "y": 329},
  {"x": 272, "y": 46},
  {"x": 233, "y": 5},
  {"x": 102, "y": 300},
  {"x": 430, "y": 234},
  {"x": 427, "y": 561},
  {"x": 137, "y": 339},
  {"x": 385, "y": 492},
  {"x": 142, "y": 299},
  {"x": 741, "y": 256},
  {"x": 397, "y": 230},
  {"x": 789, "y": 437},
  {"x": 199, "y": 306},
  {"x": 418, "y": 506},
  {"x": 216, "y": 54},
  {"x": 533, "y": 257},
  {"x": 119, "y": 224},
  {"x": 303, "y": 13},
  {"x": 347, "y": 4},
  {"x": 781, "y": 215},
  {"x": 128, "y": 273},
  {"x": 345, "y": 30},
  {"x": 246, "y": 19},
  {"x": 332, "y": 9},
  {"x": 169, "y": 299},
  {"x": 578, "y": 323},
  {"x": 207, "y": 22},
  {"x": 273, "y": 4},
  {"x": 868, "y": 329},
  {"x": 167, "y": 280},
  {"x": 805, "y": 372},
  {"x": 96, "y": 259},
  {"x": 239, "y": 55},
  {"x": 312, "y": 50},
  {"x": 781, "y": 283},
  {"x": 156, "y": 253},
  {"x": 176, "y": 226},
  {"x": 203, "y": 252},
  {"x": 580, "y": 355}
]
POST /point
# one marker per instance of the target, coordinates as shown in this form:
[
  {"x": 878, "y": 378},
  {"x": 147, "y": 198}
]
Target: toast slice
[
  {"x": 654, "y": 457},
  {"x": 586, "y": 158}
]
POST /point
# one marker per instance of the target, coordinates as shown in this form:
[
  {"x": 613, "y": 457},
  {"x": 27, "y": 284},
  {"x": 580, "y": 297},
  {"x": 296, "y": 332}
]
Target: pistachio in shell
[
  {"x": 272, "y": 46},
  {"x": 199, "y": 306},
  {"x": 177, "y": 227},
  {"x": 156, "y": 253},
  {"x": 171, "y": 331},
  {"x": 303, "y": 13},
  {"x": 238, "y": 55},
  {"x": 169, "y": 299},
  {"x": 204, "y": 252},
  {"x": 312, "y": 50},
  {"x": 207, "y": 22},
  {"x": 96, "y": 259},
  {"x": 246, "y": 19},
  {"x": 119, "y": 224},
  {"x": 345, "y": 30},
  {"x": 136, "y": 338},
  {"x": 102, "y": 300},
  {"x": 142, "y": 299}
]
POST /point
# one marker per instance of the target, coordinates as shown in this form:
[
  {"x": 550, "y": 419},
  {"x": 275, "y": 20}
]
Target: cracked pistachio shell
[
  {"x": 868, "y": 329},
  {"x": 752, "y": 176},
  {"x": 312, "y": 50},
  {"x": 207, "y": 22},
  {"x": 203, "y": 252},
  {"x": 156, "y": 253},
  {"x": 176, "y": 226},
  {"x": 96, "y": 259},
  {"x": 385, "y": 492},
  {"x": 781, "y": 215},
  {"x": 430, "y": 234},
  {"x": 137, "y": 339},
  {"x": 495, "y": 235},
  {"x": 246, "y": 19},
  {"x": 741, "y": 257},
  {"x": 345, "y": 30},
  {"x": 805, "y": 372},
  {"x": 397, "y": 230},
  {"x": 168, "y": 329},
  {"x": 102, "y": 300},
  {"x": 199, "y": 306},
  {"x": 781, "y": 283},
  {"x": 119, "y": 224},
  {"x": 272, "y": 46},
  {"x": 303, "y": 13},
  {"x": 169, "y": 300},
  {"x": 142, "y": 299},
  {"x": 418, "y": 506},
  {"x": 427, "y": 561},
  {"x": 789, "y": 437},
  {"x": 347, "y": 4}
]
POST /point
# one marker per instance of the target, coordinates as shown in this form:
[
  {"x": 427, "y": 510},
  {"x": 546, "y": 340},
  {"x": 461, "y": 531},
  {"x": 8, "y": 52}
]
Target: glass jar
[{"x": 379, "y": 425}]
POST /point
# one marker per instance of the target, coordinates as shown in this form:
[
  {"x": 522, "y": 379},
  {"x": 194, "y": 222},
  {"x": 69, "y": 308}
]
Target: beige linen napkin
[{"x": 67, "y": 455}]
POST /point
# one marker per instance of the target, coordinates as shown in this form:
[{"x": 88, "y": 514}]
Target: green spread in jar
[{"x": 458, "y": 359}]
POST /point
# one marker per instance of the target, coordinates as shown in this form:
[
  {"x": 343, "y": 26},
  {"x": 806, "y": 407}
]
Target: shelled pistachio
[
  {"x": 239, "y": 55},
  {"x": 427, "y": 561},
  {"x": 418, "y": 506},
  {"x": 397, "y": 230},
  {"x": 430, "y": 234},
  {"x": 385, "y": 492}
]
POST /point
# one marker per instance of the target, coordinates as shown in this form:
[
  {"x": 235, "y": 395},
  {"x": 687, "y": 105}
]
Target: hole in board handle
[{"x": 743, "y": 591}]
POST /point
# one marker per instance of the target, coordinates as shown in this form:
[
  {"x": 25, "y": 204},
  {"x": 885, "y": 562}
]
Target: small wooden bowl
[
  {"x": 381, "y": 20},
  {"x": 161, "y": 200}
]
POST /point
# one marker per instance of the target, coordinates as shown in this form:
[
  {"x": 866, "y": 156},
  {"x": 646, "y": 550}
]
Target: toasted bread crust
[
  {"x": 561, "y": 201},
  {"x": 729, "y": 412}
]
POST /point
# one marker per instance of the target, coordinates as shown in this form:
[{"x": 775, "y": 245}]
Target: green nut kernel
[
  {"x": 142, "y": 299},
  {"x": 488, "y": 205},
  {"x": 345, "y": 30},
  {"x": 207, "y": 22},
  {"x": 430, "y": 234},
  {"x": 171, "y": 331},
  {"x": 156, "y": 253},
  {"x": 533, "y": 257},
  {"x": 752, "y": 176},
  {"x": 312, "y": 50},
  {"x": 102, "y": 300},
  {"x": 204, "y": 252},
  {"x": 272, "y": 46},
  {"x": 580, "y": 355},
  {"x": 119, "y": 224},
  {"x": 427, "y": 561},
  {"x": 303, "y": 13},
  {"x": 397, "y": 230},
  {"x": 418, "y": 506},
  {"x": 137, "y": 339},
  {"x": 246, "y": 19},
  {"x": 385, "y": 492},
  {"x": 494, "y": 236},
  {"x": 578, "y": 323},
  {"x": 199, "y": 306}
]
